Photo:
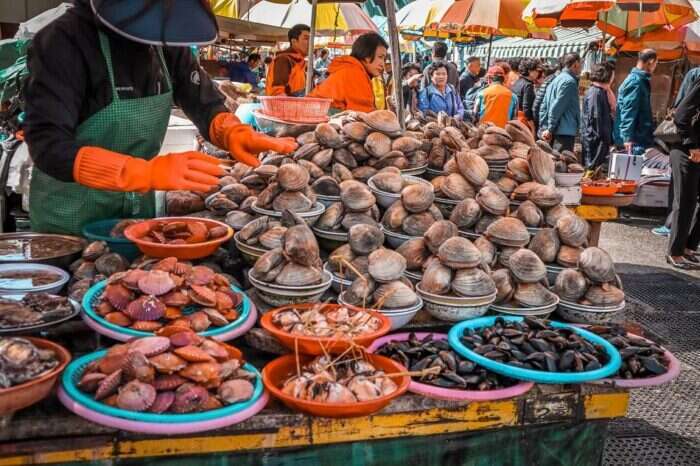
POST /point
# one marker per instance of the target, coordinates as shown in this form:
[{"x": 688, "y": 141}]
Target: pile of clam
[
  {"x": 357, "y": 206},
  {"x": 467, "y": 173},
  {"x": 564, "y": 239},
  {"x": 296, "y": 262},
  {"x": 288, "y": 189},
  {"x": 414, "y": 212},
  {"x": 352, "y": 258},
  {"x": 21, "y": 361},
  {"x": 564, "y": 161},
  {"x": 178, "y": 373},
  {"x": 384, "y": 286},
  {"x": 593, "y": 283},
  {"x": 96, "y": 264},
  {"x": 263, "y": 232},
  {"x": 523, "y": 283}
]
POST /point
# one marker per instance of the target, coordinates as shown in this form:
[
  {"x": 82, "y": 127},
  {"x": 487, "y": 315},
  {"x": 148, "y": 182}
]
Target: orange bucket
[
  {"x": 276, "y": 372},
  {"x": 316, "y": 345}
]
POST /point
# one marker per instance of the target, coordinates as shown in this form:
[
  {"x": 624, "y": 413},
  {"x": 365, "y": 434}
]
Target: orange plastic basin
[
  {"x": 26, "y": 394},
  {"x": 279, "y": 370},
  {"x": 599, "y": 188},
  {"x": 181, "y": 251},
  {"x": 626, "y": 186},
  {"x": 316, "y": 345}
]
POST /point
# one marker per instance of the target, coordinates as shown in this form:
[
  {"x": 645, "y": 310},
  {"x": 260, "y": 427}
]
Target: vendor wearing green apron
[{"x": 103, "y": 79}]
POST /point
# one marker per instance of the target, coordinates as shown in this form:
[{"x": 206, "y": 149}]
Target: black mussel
[
  {"x": 483, "y": 349},
  {"x": 592, "y": 365},
  {"x": 540, "y": 345},
  {"x": 449, "y": 359},
  {"x": 566, "y": 362},
  {"x": 465, "y": 367},
  {"x": 653, "y": 365}
]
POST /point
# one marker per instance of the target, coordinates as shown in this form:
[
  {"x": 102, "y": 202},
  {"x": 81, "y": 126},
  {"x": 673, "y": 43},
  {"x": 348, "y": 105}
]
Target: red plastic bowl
[
  {"x": 599, "y": 188},
  {"x": 26, "y": 394},
  {"x": 279, "y": 370},
  {"x": 626, "y": 186},
  {"x": 316, "y": 345},
  {"x": 181, "y": 251}
]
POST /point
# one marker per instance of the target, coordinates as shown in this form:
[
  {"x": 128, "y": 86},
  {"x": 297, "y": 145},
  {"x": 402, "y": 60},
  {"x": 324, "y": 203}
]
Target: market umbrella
[
  {"x": 487, "y": 18},
  {"x": 415, "y": 16}
]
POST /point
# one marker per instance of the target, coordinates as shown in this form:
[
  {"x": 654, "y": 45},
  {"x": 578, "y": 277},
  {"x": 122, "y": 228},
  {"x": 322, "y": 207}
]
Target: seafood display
[
  {"x": 179, "y": 373},
  {"x": 96, "y": 264},
  {"x": 352, "y": 258},
  {"x": 534, "y": 344},
  {"x": 169, "y": 292},
  {"x": 33, "y": 309},
  {"x": 117, "y": 230},
  {"x": 468, "y": 172},
  {"x": 564, "y": 239},
  {"x": 288, "y": 189},
  {"x": 35, "y": 247},
  {"x": 27, "y": 278},
  {"x": 21, "y": 361},
  {"x": 296, "y": 262},
  {"x": 340, "y": 322},
  {"x": 348, "y": 380},
  {"x": 641, "y": 358},
  {"x": 453, "y": 371},
  {"x": 523, "y": 281},
  {"x": 180, "y": 232},
  {"x": 263, "y": 232},
  {"x": 593, "y": 283},
  {"x": 414, "y": 212},
  {"x": 357, "y": 206}
]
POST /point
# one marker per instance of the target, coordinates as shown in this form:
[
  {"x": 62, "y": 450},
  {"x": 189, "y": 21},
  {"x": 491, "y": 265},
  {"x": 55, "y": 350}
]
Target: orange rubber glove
[
  {"x": 103, "y": 169},
  {"x": 244, "y": 144}
]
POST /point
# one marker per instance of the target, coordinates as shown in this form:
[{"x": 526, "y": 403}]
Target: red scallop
[
  {"x": 168, "y": 382},
  {"x": 200, "y": 275},
  {"x": 108, "y": 386},
  {"x": 145, "y": 308},
  {"x": 156, "y": 283},
  {"x": 162, "y": 402},
  {"x": 189, "y": 397},
  {"x": 132, "y": 277},
  {"x": 185, "y": 338},
  {"x": 136, "y": 396},
  {"x": 118, "y": 296},
  {"x": 150, "y": 346}
]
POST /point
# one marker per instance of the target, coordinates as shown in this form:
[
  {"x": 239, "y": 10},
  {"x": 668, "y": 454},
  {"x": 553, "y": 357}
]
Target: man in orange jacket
[
  {"x": 287, "y": 75},
  {"x": 350, "y": 82},
  {"x": 496, "y": 104}
]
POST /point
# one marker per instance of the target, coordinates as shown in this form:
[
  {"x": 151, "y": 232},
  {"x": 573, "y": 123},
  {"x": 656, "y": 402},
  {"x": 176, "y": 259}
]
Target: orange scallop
[
  {"x": 146, "y": 325},
  {"x": 193, "y": 354},
  {"x": 172, "y": 313},
  {"x": 118, "y": 318}
]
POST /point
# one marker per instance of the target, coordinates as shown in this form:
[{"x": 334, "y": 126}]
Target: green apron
[{"x": 134, "y": 127}]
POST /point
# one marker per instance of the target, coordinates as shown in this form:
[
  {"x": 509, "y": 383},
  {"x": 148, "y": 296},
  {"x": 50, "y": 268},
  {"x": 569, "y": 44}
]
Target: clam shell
[
  {"x": 293, "y": 177},
  {"x": 519, "y": 170},
  {"x": 395, "y": 295},
  {"x": 484, "y": 222},
  {"x": 253, "y": 228},
  {"x": 553, "y": 214},
  {"x": 492, "y": 200},
  {"x": 546, "y": 245},
  {"x": 466, "y": 213},
  {"x": 527, "y": 267},
  {"x": 388, "y": 181},
  {"x": 522, "y": 192},
  {"x": 381, "y": 120},
  {"x": 300, "y": 245},
  {"x": 272, "y": 238},
  {"x": 438, "y": 233},
  {"x": 406, "y": 144},
  {"x": 358, "y": 150},
  {"x": 458, "y": 253},
  {"x": 344, "y": 157},
  {"x": 472, "y": 167},
  {"x": 238, "y": 219},
  {"x": 415, "y": 252},
  {"x": 570, "y": 285},
  {"x": 336, "y": 257},
  {"x": 533, "y": 295},
  {"x": 394, "y": 216},
  {"x": 453, "y": 138},
  {"x": 520, "y": 150},
  {"x": 358, "y": 218},
  {"x": 306, "y": 151},
  {"x": 605, "y": 295},
  {"x": 364, "y": 239},
  {"x": 356, "y": 196},
  {"x": 597, "y": 265},
  {"x": 487, "y": 249},
  {"x": 326, "y": 186},
  {"x": 356, "y": 130},
  {"x": 417, "y": 224},
  {"x": 386, "y": 265},
  {"x": 573, "y": 230},
  {"x": 541, "y": 166},
  {"x": 504, "y": 285},
  {"x": 456, "y": 187},
  {"x": 392, "y": 158},
  {"x": 508, "y": 231},
  {"x": 417, "y": 197},
  {"x": 437, "y": 279},
  {"x": 530, "y": 214},
  {"x": 545, "y": 196},
  {"x": 378, "y": 144},
  {"x": 519, "y": 132},
  {"x": 504, "y": 255},
  {"x": 568, "y": 256},
  {"x": 507, "y": 185},
  {"x": 327, "y": 135},
  {"x": 292, "y": 200},
  {"x": 267, "y": 262},
  {"x": 493, "y": 153},
  {"x": 323, "y": 159},
  {"x": 331, "y": 217},
  {"x": 364, "y": 173},
  {"x": 294, "y": 274},
  {"x": 473, "y": 282}
]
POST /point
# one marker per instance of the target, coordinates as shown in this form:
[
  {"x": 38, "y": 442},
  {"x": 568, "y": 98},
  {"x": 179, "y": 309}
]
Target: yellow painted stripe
[
  {"x": 606, "y": 405},
  {"x": 597, "y": 213}
]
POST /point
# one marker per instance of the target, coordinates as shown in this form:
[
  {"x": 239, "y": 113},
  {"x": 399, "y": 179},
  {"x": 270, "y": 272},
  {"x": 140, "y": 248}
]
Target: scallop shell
[
  {"x": 108, "y": 385},
  {"x": 193, "y": 354},
  {"x": 458, "y": 253},
  {"x": 293, "y": 177},
  {"x": 508, "y": 231},
  {"x": 466, "y": 213},
  {"x": 145, "y": 308},
  {"x": 573, "y": 230},
  {"x": 597, "y": 265},
  {"x": 492, "y": 200},
  {"x": 386, "y": 265},
  {"x": 395, "y": 295},
  {"x": 605, "y": 295},
  {"x": 545, "y": 196},
  {"x": 162, "y": 402},
  {"x": 570, "y": 285},
  {"x": 504, "y": 285},
  {"x": 356, "y": 196},
  {"x": 541, "y": 166},
  {"x": 437, "y": 279},
  {"x": 473, "y": 283},
  {"x": 456, "y": 187},
  {"x": 118, "y": 296},
  {"x": 546, "y": 245},
  {"x": 168, "y": 363},
  {"x": 415, "y": 252},
  {"x": 527, "y": 267},
  {"x": 150, "y": 346},
  {"x": 438, "y": 233},
  {"x": 530, "y": 214},
  {"x": 364, "y": 239},
  {"x": 568, "y": 256},
  {"x": 533, "y": 295},
  {"x": 188, "y": 398},
  {"x": 417, "y": 197}
]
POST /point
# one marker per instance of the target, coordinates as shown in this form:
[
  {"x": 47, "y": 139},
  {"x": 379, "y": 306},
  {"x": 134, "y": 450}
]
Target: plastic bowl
[
  {"x": 611, "y": 367},
  {"x": 21, "y": 287},
  {"x": 385, "y": 198},
  {"x": 450, "y": 394},
  {"x": 246, "y": 308},
  {"x": 279, "y": 370},
  {"x": 278, "y": 295},
  {"x": 74, "y": 371},
  {"x": 296, "y": 109},
  {"x": 626, "y": 186},
  {"x": 26, "y": 394},
  {"x": 399, "y": 317},
  {"x": 455, "y": 308},
  {"x": 568, "y": 179},
  {"x": 317, "y": 345},
  {"x": 535, "y": 311},
  {"x": 598, "y": 188},
  {"x": 395, "y": 239},
  {"x": 309, "y": 217},
  {"x": 181, "y": 251},
  {"x": 100, "y": 231}
]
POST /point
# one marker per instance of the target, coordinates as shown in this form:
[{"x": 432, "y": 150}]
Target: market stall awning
[
  {"x": 239, "y": 29},
  {"x": 568, "y": 40}
]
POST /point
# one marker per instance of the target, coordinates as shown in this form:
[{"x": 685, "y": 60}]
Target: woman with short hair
[{"x": 440, "y": 96}]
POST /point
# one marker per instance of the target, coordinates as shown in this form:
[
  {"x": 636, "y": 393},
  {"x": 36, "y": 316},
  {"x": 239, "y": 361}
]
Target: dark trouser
[
  {"x": 669, "y": 218},
  {"x": 562, "y": 143},
  {"x": 685, "y": 229}
]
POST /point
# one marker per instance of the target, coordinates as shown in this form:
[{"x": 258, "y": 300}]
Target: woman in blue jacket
[{"x": 440, "y": 96}]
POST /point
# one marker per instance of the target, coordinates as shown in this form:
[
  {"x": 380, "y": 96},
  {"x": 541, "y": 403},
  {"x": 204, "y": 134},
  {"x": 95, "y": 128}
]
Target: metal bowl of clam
[
  {"x": 280, "y": 295},
  {"x": 309, "y": 217},
  {"x": 250, "y": 253},
  {"x": 330, "y": 240},
  {"x": 524, "y": 311},
  {"x": 396, "y": 239},
  {"x": 455, "y": 308},
  {"x": 386, "y": 198},
  {"x": 339, "y": 283},
  {"x": 585, "y": 314},
  {"x": 399, "y": 317}
]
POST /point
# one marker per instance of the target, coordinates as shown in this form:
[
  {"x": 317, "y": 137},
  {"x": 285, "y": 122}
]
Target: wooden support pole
[
  {"x": 310, "y": 56},
  {"x": 395, "y": 60}
]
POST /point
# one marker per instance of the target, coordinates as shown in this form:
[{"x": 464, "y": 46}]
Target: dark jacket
[
  {"x": 689, "y": 80},
  {"x": 687, "y": 118},
  {"x": 466, "y": 82},
  {"x": 470, "y": 111},
  {"x": 524, "y": 90},
  {"x": 539, "y": 97},
  {"x": 240, "y": 72},
  {"x": 68, "y": 83},
  {"x": 452, "y": 75},
  {"x": 634, "y": 121},
  {"x": 560, "y": 112},
  {"x": 597, "y": 127}
]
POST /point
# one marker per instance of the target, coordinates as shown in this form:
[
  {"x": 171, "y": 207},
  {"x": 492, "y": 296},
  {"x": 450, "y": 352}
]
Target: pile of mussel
[
  {"x": 534, "y": 344},
  {"x": 593, "y": 283},
  {"x": 357, "y": 206},
  {"x": 456, "y": 372},
  {"x": 641, "y": 358}
]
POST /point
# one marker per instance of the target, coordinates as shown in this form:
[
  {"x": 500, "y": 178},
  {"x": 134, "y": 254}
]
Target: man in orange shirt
[
  {"x": 496, "y": 104},
  {"x": 287, "y": 75},
  {"x": 349, "y": 82}
]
